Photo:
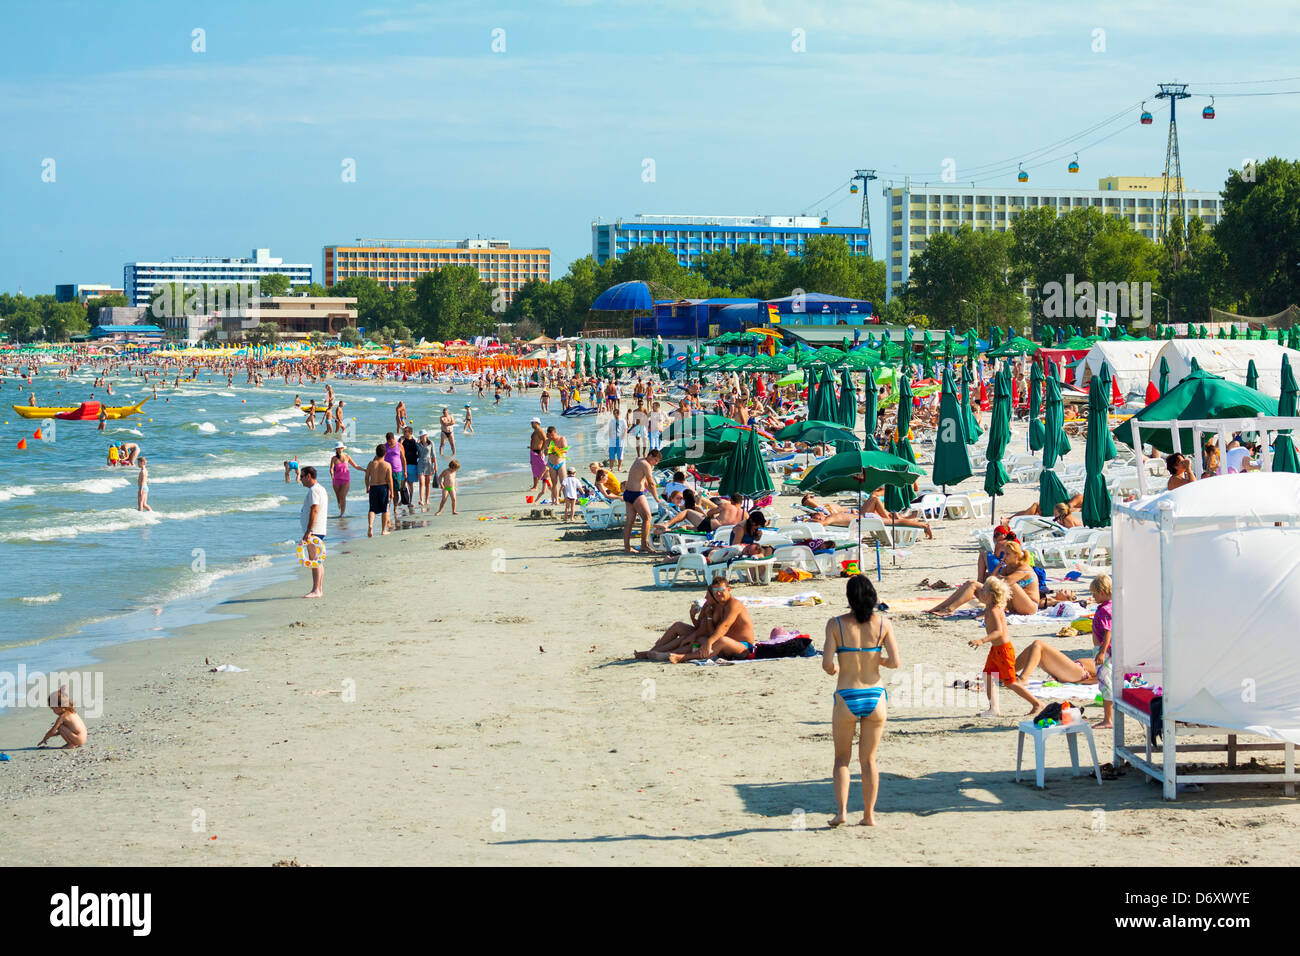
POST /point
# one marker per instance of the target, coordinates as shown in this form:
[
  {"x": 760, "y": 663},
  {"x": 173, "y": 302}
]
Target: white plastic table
[{"x": 1040, "y": 735}]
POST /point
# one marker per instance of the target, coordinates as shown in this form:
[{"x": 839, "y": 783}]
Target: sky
[{"x": 130, "y": 136}]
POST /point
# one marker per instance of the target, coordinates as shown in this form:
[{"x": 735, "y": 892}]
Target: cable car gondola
[
  {"x": 1208, "y": 112},
  {"x": 825, "y": 221},
  {"x": 1074, "y": 164},
  {"x": 1022, "y": 176},
  {"x": 854, "y": 189},
  {"x": 1146, "y": 118}
]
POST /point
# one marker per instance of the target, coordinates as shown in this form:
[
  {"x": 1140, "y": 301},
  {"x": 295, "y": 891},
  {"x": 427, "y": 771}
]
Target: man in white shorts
[{"x": 656, "y": 427}]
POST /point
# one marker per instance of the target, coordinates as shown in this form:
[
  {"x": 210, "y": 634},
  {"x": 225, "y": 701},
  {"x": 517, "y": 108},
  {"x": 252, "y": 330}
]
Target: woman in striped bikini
[{"x": 858, "y": 645}]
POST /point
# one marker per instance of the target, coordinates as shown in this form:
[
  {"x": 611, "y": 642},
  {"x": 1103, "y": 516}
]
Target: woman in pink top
[{"x": 341, "y": 475}]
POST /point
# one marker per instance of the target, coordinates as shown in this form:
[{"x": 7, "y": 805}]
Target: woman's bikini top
[{"x": 880, "y": 636}]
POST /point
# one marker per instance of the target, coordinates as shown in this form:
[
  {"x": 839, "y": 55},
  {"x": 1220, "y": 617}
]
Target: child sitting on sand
[
  {"x": 68, "y": 725},
  {"x": 1000, "y": 665},
  {"x": 447, "y": 482}
]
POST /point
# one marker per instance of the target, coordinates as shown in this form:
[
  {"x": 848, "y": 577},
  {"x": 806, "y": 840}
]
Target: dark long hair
[{"x": 862, "y": 598}]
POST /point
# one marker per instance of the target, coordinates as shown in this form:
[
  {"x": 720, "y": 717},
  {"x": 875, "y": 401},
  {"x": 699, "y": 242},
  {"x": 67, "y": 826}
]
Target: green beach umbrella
[
  {"x": 1163, "y": 383},
  {"x": 698, "y": 424},
  {"x": 746, "y": 474},
  {"x": 903, "y": 442},
  {"x": 973, "y": 430},
  {"x": 816, "y": 432},
  {"x": 1201, "y": 395},
  {"x": 1099, "y": 450},
  {"x": 1035, "y": 408},
  {"x": 869, "y": 389},
  {"x": 1252, "y": 375},
  {"x": 860, "y": 471},
  {"x": 1284, "y": 450},
  {"x": 1051, "y": 491},
  {"x": 995, "y": 475},
  {"x": 898, "y": 497},
  {"x": 951, "y": 461},
  {"x": 821, "y": 397},
  {"x": 848, "y": 405}
]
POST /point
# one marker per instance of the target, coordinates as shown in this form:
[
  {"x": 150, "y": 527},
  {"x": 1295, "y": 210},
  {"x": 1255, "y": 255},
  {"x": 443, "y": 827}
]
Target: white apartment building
[
  {"x": 140, "y": 278},
  {"x": 918, "y": 212}
]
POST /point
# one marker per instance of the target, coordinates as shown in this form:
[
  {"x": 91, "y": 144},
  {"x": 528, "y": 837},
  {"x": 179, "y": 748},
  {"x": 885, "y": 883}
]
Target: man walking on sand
[
  {"x": 640, "y": 483},
  {"x": 536, "y": 441},
  {"x": 315, "y": 508},
  {"x": 379, "y": 488}
]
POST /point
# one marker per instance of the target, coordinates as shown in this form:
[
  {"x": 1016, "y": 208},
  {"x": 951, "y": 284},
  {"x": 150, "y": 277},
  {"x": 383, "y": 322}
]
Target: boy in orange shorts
[{"x": 1000, "y": 665}]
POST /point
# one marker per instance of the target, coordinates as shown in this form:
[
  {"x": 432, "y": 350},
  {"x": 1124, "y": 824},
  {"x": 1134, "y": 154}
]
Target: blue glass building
[{"x": 689, "y": 237}]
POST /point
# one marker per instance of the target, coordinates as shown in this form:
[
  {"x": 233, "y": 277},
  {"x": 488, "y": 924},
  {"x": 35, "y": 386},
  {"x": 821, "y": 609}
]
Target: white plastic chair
[
  {"x": 931, "y": 505},
  {"x": 959, "y": 506},
  {"x": 751, "y": 570}
]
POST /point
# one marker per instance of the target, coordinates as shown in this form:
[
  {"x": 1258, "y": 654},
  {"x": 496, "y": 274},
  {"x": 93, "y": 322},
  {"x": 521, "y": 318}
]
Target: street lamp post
[
  {"x": 1167, "y": 304},
  {"x": 977, "y": 314}
]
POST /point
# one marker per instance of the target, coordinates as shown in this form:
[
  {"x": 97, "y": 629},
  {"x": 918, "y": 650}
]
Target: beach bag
[
  {"x": 794, "y": 647},
  {"x": 404, "y": 494}
]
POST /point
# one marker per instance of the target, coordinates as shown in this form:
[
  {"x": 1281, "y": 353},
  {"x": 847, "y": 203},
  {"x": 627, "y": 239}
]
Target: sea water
[{"x": 80, "y": 567}]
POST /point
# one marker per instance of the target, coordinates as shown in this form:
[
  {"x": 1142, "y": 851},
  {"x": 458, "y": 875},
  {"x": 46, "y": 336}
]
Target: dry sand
[{"x": 478, "y": 706}]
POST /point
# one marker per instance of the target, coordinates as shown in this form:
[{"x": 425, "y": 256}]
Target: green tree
[
  {"x": 264, "y": 333},
  {"x": 1260, "y": 235},
  {"x": 273, "y": 284},
  {"x": 100, "y": 302},
  {"x": 62, "y": 320},
  {"x": 826, "y": 266},
  {"x": 960, "y": 273},
  {"x": 348, "y": 335},
  {"x": 450, "y": 303}
]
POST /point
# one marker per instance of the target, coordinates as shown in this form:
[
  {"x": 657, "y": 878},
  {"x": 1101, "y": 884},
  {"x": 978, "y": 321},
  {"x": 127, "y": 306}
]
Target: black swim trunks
[{"x": 378, "y": 499}]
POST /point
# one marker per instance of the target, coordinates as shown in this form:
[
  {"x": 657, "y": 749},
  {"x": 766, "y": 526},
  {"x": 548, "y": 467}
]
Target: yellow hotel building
[
  {"x": 394, "y": 262},
  {"x": 918, "y": 212}
]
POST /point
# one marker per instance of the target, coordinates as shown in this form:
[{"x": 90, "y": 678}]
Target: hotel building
[
  {"x": 394, "y": 262},
  {"x": 918, "y": 212},
  {"x": 140, "y": 278},
  {"x": 689, "y": 237}
]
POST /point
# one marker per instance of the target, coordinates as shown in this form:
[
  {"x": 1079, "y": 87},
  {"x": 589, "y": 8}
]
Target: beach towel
[
  {"x": 806, "y": 599},
  {"x": 1055, "y": 690}
]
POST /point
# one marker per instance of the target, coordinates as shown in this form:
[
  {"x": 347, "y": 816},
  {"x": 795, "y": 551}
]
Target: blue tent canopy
[{"x": 624, "y": 297}]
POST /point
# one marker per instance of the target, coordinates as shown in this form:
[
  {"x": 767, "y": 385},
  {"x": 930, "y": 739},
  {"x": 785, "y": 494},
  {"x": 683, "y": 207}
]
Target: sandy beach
[{"x": 477, "y": 704}]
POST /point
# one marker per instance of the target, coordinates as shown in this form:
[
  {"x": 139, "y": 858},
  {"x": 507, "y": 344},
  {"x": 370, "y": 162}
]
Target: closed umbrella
[
  {"x": 1035, "y": 407},
  {"x": 848, "y": 404},
  {"x": 869, "y": 411},
  {"x": 1252, "y": 375},
  {"x": 1164, "y": 375},
  {"x": 951, "y": 461},
  {"x": 1051, "y": 491},
  {"x": 821, "y": 397},
  {"x": 745, "y": 473},
  {"x": 995, "y": 476},
  {"x": 973, "y": 430},
  {"x": 904, "y": 439},
  {"x": 1099, "y": 450},
  {"x": 1284, "y": 450}
]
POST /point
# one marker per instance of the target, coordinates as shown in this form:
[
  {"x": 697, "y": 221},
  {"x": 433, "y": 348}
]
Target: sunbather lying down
[{"x": 721, "y": 628}]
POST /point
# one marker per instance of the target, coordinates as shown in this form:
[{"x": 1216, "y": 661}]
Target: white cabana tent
[
  {"x": 1227, "y": 358},
  {"x": 1130, "y": 364},
  {"x": 1206, "y": 595}
]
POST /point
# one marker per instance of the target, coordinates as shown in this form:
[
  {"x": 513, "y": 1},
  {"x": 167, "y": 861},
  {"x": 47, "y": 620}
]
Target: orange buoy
[
  {"x": 22, "y": 443},
  {"x": 37, "y": 435}
]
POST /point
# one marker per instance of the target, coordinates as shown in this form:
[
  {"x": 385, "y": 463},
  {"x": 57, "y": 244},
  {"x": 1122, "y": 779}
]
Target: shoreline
[{"x": 478, "y": 706}]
